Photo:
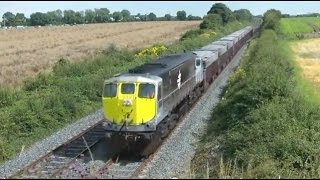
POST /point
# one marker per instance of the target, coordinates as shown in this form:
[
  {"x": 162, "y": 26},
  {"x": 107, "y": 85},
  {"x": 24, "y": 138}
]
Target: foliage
[
  {"x": 90, "y": 16},
  {"x": 243, "y": 15},
  {"x": 212, "y": 21},
  {"x": 168, "y": 17},
  {"x": 154, "y": 51},
  {"x": 98, "y": 15},
  {"x": 222, "y": 10},
  {"x": 221, "y": 16},
  {"x": 271, "y": 19},
  {"x": 151, "y": 17},
  {"x": 125, "y": 14},
  {"x": 39, "y": 18},
  {"x": 117, "y": 16},
  {"x": 102, "y": 15},
  {"x": 181, "y": 15},
  {"x": 192, "y": 18},
  {"x": 9, "y": 18},
  {"x": 191, "y": 34}
]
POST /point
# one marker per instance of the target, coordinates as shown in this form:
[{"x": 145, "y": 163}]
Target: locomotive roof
[{"x": 163, "y": 64}]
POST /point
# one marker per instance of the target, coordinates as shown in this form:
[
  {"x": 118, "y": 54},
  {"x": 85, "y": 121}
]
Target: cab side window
[{"x": 146, "y": 91}]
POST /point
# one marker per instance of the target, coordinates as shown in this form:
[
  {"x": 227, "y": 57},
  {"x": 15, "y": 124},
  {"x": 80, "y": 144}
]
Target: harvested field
[
  {"x": 307, "y": 54},
  {"x": 26, "y": 52}
]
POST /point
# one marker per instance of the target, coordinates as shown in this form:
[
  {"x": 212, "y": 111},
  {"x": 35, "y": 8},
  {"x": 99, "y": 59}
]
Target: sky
[{"x": 160, "y": 8}]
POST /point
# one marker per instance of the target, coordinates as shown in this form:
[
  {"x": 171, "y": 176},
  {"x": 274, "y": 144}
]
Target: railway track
[
  {"x": 55, "y": 162},
  {"x": 121, "y": 166}
]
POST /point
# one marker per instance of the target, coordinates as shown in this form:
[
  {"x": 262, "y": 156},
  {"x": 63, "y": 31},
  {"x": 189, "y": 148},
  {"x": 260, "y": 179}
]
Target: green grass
[
  {"x": 73, "y": 90},
  {"x": 292, "y": 26}
]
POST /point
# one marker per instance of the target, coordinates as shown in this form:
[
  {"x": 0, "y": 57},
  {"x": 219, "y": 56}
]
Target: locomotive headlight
[{"x": 127, "y": 102}]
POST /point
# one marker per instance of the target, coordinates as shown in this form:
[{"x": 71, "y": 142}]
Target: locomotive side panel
[
  {"x": 212, "y": 72},
  {"x": 178, "y": 83}
]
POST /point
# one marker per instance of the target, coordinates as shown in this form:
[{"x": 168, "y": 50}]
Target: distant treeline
[
  {"x": 101, "y": 15},
  {"x": 301, "y": 15}
]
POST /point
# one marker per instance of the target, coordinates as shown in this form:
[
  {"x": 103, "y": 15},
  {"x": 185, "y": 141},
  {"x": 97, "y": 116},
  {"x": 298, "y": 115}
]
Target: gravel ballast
[
  {"x": 52, "y": 142},
  {"x": 173, "y": 158}
]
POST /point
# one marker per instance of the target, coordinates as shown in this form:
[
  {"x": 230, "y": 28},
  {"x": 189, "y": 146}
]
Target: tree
[
  {"x": 126, "y": 15},
  {"x": 79, "y": 17},
  {"x": 168, "y": 17},
  {"x": 20, "y": 19},
  {"x": 152, "y": 17},
  {"x": 222, "y": 10},
  {"x": 9, "y": 18},
  {"x": 117, "y": 16},
  {"x": 181, "y": 15},
  {"x": 102, "y": 15},
  {"x": 191, "y": 18},
  {"x": 142, "y": 17},
  {"x": 39, "y": 18},
  {"x": 69, "y": 17},
  {"x": 211, "y": 21},
  {"x": 55, "y": 17},
  {"x": 243, "y": 15},
  {"x": 271, "y": 19},
  {"x": 285, "y": 15},
  {"x": 89, "y": 16}
]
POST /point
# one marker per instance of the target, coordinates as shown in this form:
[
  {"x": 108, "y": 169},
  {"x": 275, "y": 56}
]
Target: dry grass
[
  {"x": 307, "y": 54},
  {"x": 26, "y": 52}
]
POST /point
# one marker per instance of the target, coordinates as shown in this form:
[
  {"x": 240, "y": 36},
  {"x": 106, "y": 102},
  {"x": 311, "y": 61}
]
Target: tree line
[
  {"x": 301, "y": 15},
  {"x": 100, "y": 15},
  {"x": 219, "y": 15}
]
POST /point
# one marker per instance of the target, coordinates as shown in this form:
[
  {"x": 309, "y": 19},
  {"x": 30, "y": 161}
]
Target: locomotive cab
[{"x": 131, "y": 102}]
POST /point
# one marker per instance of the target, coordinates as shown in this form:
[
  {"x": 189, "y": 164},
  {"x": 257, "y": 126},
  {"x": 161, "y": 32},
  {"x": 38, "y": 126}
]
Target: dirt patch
[{"x": 26, "y": 52}]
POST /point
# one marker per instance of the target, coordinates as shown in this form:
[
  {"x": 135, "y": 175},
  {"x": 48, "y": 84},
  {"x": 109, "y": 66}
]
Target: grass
[
  {"x": 72, "y": 90},
  {"x": 292, "y": 26}
]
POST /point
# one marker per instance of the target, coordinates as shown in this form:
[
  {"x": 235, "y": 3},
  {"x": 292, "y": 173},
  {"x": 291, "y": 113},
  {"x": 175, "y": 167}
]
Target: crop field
[
  {"x": 26, "y": 52},
  {"x": 307, "y": 54},
  {"x": 291, "y": 26}
]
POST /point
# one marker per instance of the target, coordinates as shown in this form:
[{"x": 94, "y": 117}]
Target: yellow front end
[{"x": 129, "y": 103}]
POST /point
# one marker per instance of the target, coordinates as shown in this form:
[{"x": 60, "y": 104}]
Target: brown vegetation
[
  {"x": 307, "y": 54},
  {"x": 26, "y": 52}
]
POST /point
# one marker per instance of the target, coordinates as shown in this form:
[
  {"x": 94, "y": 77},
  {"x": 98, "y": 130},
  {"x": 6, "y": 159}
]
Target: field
[
  {"x": 307, "y": 54},
  {"x": 26, "y": 52},
  {"x": 291, "y": 26}
]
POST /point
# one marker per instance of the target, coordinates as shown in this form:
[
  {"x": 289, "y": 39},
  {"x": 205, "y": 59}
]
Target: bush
[
  {"x": 190, "y": 34},
  {"x": 212, "y": 21}
]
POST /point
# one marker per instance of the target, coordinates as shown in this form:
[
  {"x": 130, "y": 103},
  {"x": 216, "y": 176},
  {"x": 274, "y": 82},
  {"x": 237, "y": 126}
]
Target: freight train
[{"x": 146, "y": 102}]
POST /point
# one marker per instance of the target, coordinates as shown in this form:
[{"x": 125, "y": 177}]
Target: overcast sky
[{"x": 160, "y": 8}]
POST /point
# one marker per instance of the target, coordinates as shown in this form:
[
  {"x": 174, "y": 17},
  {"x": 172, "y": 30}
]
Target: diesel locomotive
[{"x": 147, "y": 101}]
